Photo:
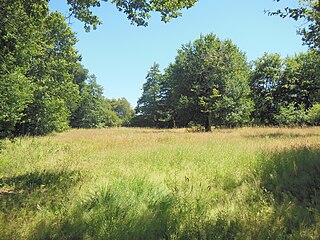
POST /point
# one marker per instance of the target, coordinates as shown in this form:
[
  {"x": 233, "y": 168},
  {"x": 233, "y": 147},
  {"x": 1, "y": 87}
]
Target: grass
[{"x": 249, "y": 183}]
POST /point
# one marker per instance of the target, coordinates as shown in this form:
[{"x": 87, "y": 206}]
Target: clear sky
[{"x": 120, "y": 54}]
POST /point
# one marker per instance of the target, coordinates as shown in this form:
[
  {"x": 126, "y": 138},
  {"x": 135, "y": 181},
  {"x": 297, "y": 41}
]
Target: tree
[
  {"x": 91, "y": 110},
  {"x": 17, "y": 43},
  {"x": 137, "y": 11},
  {"x": 291, "y": 115},
  {"x": 300, "y": 81},
  {"x": 122, "y": 108},
  {"x": 15, "y": 95},
  {"x": 50, "y": 70},
  {"x": 149, "y": 104},
  {"x": 309, "y": 12},
  {"x": 208, "y": 84},
  {"x": 37, "y": 56},
  {"x": 283, "y": 90},
  {"x": 264, "y": 81},
  {"x": 314, "y": 114}
]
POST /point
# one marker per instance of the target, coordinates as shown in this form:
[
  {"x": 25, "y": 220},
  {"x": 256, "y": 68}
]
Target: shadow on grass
[
  {"x": 282, "y": 135},
  {"x": 138, "y": 212},
  {"x": 146, "y": 213},
  {"x": 286, "y": 206},
  {"x": 34, "y": 189},
  {"x": 292, "y": 178},
  {"x": 293, "y": 174}
]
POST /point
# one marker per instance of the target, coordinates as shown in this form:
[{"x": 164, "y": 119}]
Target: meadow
[{"x": 131, "y": 183}]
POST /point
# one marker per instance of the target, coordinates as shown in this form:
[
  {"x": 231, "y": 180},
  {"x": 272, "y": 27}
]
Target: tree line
[
  {"x": 44, "y": 87},
  {"x": 210, "y": 83}
]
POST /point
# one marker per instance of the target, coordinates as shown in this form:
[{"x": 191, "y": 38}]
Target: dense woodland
[{"x": 44, "y": 87}]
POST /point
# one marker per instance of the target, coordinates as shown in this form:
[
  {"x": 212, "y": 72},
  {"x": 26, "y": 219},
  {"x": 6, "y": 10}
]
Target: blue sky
[{"x": 120, "y": 54}]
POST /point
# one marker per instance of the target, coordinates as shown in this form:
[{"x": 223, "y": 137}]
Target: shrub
[
  {"x": 195, "y": 127},
  {"x": 314, "y": 114},
  {"x": 291, "y": 116}
]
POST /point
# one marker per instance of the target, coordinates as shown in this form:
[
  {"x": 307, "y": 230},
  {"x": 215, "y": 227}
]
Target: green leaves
[
  {"x": 281, "y": 87},
  {"x": 209, "y": 71},
  {"x": 264, "y": 80},
  {"x": 309, "y": 11},
  {"x": 207, "y": 82},
  {"x": 36, "y": 68},
  {"x": 15, "y": 94},
  {"x": 81, "y": 9},
  {"x": 90, "y": 111},
  {"x": 137, "y": 11},
  {"x": 150, "y": 104}
]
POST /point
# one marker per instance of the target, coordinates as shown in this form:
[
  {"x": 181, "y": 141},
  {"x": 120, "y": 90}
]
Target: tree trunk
[{"x": 207, "y": 126}]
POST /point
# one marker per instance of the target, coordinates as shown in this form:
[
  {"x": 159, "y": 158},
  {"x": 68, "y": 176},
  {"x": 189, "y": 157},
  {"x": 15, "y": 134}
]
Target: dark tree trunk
[{"x": 207, "y": 125}]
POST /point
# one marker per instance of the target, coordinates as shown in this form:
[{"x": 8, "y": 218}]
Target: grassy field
[{"x": 249, "y": 183}]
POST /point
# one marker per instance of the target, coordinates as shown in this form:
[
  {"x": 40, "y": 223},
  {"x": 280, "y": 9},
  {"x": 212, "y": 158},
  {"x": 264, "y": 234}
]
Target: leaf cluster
[
  {"x": 309, "y": 11},
  {"x": 138, "y": 12}
]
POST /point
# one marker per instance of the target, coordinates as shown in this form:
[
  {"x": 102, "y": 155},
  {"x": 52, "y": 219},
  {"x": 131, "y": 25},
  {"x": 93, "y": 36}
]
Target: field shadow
[
  {"x": 282, "y": 135},
  {"x": 293, "y": 174},
  {"x": 31, "y": 190},
  {"x": 138, "y": 209},
  {"x": 104, "y": 216},
  {"x": 292, "y": 178}
]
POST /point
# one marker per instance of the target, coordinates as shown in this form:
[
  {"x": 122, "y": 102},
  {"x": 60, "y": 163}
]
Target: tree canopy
[
  {"x": 138, "y": 11},
  {"x": 207, "y": 84},
  {"x": 43, "y": 86},
  {"x": 309, "y": 12},
  {"x": 210, "y": 83}
]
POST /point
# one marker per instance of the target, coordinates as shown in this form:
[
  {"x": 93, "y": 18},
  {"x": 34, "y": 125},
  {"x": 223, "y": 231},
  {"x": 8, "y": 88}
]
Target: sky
[{"x": 121, "y": 54}]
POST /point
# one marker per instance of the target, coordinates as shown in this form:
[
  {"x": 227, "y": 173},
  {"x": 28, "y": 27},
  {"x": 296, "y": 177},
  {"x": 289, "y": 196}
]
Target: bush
[
  {"x": 314, "y": 114},
  {"x": 195, "y": 127},
  {"x": 291, "y": 116}
]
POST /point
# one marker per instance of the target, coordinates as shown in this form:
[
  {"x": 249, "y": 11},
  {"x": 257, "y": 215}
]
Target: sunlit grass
[{"x": 122, "y": 183}]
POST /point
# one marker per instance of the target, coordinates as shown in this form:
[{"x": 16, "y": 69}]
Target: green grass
[{"x": 249, "y": 183}]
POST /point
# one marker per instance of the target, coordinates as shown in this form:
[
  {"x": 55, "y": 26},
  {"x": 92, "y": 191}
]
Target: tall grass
[{"x": 249, "y": 183}]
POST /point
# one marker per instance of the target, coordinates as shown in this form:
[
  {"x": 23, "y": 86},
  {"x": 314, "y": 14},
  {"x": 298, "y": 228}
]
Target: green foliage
[
  {"x": 291, "y": 116},
  {"x": 45, "y": 115},
  {"x": 43, "y": 85},
  {"x": 150, "y": 104},
  {"x": 314, "y": 114},
  {"x": 138, "y": 12},
  {"x": 308, "y": 11},
  {"x": 111, "y": 119},
  {"x": 37, "y": 58},
  {"x": 207, "y": 84},
  {"x": 122, "y": 110},
  {"x": 281, "y": 87},
  {"x": 264, "y": 80},
  {"x": 300, "y": 81},
  {"x": 15, "y": 94},
  {"x": 90, "y": 112}
]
